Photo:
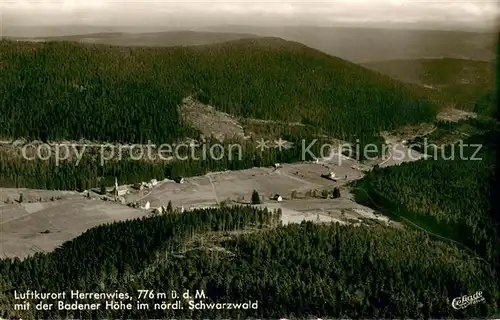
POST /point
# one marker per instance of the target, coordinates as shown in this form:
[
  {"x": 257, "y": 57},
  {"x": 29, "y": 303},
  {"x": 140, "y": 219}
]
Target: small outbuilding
[
  {"x": 179, "y": 179},
  {"x": 278, "y": 198},
  {"x": 121, "y": 200}
]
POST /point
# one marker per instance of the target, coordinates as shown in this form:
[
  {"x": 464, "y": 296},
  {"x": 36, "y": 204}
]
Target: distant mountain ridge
[
  {"x": 159, "y": 39},
  {"x": 359, "y": 45}
]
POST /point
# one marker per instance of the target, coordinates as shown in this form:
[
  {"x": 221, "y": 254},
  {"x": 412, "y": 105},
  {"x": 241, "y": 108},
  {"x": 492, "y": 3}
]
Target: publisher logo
[{"x": 465, "y": 301}]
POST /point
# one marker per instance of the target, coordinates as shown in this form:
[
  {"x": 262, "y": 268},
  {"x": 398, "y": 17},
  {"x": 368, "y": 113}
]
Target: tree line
[{"x": 17, "y": 172}]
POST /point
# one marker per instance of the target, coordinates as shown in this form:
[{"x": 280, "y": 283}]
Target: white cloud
[{"x": 129, "y": 12}]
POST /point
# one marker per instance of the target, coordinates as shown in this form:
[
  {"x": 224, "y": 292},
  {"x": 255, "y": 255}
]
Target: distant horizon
[
  {"x": 38, "y": 31},
  {"x": 466, "y": 14}
]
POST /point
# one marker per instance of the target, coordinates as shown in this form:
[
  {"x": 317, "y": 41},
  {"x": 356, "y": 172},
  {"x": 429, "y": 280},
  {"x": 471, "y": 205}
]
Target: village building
[
  {"x": 146, "y": 206},
  {"x": 179, "y": 179},
  {"x": 330, "y": 176},
  {"x": 119, "y": 191},
  {"x": 138, "y": 186},
  {"x": 121, "y": 200}
]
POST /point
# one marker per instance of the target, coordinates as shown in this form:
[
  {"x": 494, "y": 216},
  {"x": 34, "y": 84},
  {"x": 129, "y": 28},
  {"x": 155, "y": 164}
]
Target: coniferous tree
[
  {"x": 255, "y": 197},
  {"x": 336, "y": 193},
  {"x": 103, "y": 188}
]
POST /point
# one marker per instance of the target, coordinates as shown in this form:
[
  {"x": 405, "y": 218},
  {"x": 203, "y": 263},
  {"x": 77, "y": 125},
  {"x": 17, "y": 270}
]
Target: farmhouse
[
  {"x": 330, "y": 176},
  {"x": 146, "y": 206},
  {"x": 278, "y": 198},
  {"x": 159, "y": 210},
  {"x": 138, "y": 186}
]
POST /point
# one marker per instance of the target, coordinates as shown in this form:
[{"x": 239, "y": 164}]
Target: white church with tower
[{"x": 119, "y": 191}]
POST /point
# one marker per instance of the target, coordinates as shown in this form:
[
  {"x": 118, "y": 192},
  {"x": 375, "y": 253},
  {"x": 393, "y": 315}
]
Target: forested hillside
[
  {"x": 54, "y": 91},
  {"x": 462, "y": 84},
  {"x": 241, "y": 253},
  {"x": 449, "y": 195}
]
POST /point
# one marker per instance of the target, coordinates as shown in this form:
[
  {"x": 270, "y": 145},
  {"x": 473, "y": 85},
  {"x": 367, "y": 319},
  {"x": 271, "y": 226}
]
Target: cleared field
[
  {"x": 455, "y": 115},
  {"x": 237, "y": 187},
  {"x": 27, "y": 228},
  {"x": 12, "y": 194},
  {"x": 400, "y": 153},
  {"x": 37, "y": 227}
]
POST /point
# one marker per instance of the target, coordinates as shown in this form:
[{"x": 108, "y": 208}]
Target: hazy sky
[{"x": 184, "y": 13}]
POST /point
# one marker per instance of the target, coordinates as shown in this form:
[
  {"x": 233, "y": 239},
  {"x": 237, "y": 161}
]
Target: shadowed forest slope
[{"x": 463, "y": 84}]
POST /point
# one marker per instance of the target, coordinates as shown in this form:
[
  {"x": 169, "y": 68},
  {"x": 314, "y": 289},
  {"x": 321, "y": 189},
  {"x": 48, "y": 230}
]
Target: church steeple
[{"x": 115, "y": 191}]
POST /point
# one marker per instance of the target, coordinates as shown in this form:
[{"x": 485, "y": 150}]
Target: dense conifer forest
[
  {"x": 449, "y": 194},
  {"x": 243, "y": 253},
  {"x": 59, "y": 90},
  {"x": 17, "y": 172},
  {"x": 68, "y": 91},
  {"x": 448, "y": 245}
]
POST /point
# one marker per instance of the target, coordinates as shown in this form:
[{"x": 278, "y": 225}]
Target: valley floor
[
  {"x": 47, "y": 219},
  {"x": 27, "y": 228}
]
